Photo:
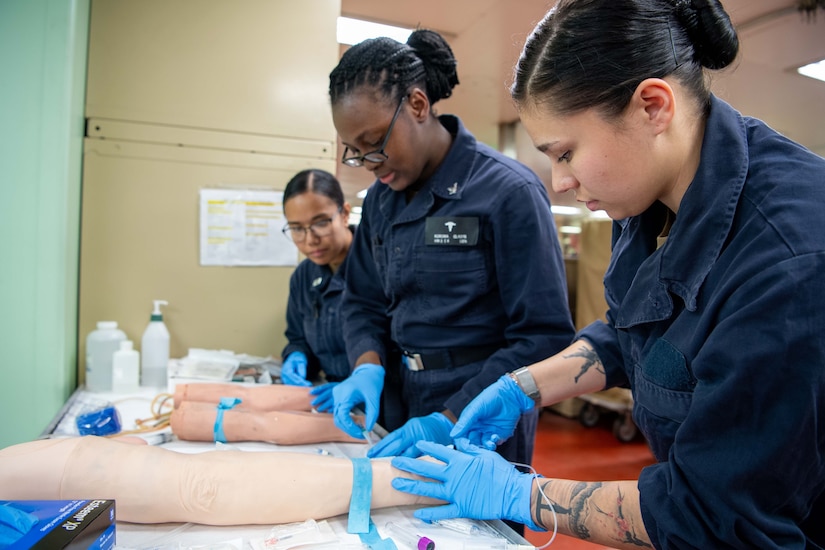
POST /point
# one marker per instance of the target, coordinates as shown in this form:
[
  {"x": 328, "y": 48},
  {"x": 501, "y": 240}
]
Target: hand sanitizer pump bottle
[{"x": 154, "y": 350}]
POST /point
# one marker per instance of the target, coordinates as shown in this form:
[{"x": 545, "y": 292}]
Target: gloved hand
[
  {"x": 324, "y": 401},
  {"x": 294, "y": 370},
  {"x": 491, "y": 417},
  {"x": 434, "y": 427},
  {"x": 477, "y": 484},
  {"x": 363, "y": 386},
  {"x": 14, "y": 524}
]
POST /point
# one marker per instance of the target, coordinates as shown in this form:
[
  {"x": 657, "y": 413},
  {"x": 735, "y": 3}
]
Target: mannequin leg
[{"x": 156, "y": 485}]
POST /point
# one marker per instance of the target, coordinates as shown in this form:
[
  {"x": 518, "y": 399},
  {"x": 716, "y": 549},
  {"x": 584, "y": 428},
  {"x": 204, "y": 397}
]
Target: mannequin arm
[
  {"x": 195, "y": 421},
  {"x": 272, "y": 397},
  {"x": 156, "y": 485}
]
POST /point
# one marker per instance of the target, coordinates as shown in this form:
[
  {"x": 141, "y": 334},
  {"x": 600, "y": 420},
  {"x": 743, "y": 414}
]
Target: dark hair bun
[
  {"x": 711, "y": 31},
  {"x": 439, "y": 62}
]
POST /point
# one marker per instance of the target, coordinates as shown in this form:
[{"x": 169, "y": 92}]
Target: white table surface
[{"x": 251, "y": 537}]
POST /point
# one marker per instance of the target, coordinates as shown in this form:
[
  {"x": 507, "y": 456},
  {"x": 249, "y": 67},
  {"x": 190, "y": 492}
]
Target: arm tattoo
[
  {"x": 547, "y": 505},
  {"x": 590, "y": 360},
  {"x": 625, "y": 531},
  {"x": 582, "y": 492}
]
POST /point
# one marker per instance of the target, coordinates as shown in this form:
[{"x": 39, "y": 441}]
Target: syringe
[{"x": 408, "y": 537}]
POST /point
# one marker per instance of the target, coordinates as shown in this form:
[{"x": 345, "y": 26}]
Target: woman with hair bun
[
  {"x": 715, "y": 290},
  {"x": 456, "y": 263}
]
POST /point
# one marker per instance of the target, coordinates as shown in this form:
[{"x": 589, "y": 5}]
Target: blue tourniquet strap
[
  {"x": 225, "y": 404},
  {"x": 372, "y": 539},
  {"x": 359, "y": 504}
]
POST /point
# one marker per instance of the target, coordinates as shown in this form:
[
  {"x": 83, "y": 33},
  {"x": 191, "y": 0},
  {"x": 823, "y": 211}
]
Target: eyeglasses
[
  {"x": 320, "y": 228},
  {"x": 378, "y": 155}
]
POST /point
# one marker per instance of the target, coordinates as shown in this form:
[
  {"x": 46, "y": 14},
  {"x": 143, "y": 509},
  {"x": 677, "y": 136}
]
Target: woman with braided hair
[
  {"x": 715, "y": 290},
  {"x": 456, "y": 262}
]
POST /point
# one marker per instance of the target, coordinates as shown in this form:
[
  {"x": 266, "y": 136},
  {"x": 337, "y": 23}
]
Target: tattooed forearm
[
  {"x": 591, "y": 360},
  {"x": 624, "y": 528},
  {"x": 544, "y": 503},
  {"x": 601, "y": 512},
  {"x": 579, "y": 508}
]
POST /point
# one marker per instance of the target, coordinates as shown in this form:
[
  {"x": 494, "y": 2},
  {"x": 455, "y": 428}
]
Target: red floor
[{"x": 566, "y": 449}]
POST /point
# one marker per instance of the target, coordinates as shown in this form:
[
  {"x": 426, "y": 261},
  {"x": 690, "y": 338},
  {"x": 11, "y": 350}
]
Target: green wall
[{"x": 43, "y": 45}]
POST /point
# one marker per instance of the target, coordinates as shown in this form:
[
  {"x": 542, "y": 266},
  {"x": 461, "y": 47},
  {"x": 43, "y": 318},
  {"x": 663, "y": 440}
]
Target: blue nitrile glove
[
  {"x": 363, "y": 386},
  {"x": 323, "y": 401},
  {"x": 491, "y": 417},
  {"x": 294, "y": 370},
  {"x": 434, "y": 427},
  {"x": 14, "y": 524},
  {"x": 477, "y": 484}
]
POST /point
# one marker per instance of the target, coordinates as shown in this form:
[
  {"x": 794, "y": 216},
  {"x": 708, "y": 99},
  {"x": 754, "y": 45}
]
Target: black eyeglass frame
[
  {"x": 289, "y": 230},
  {"x": 378, "y": 156}
]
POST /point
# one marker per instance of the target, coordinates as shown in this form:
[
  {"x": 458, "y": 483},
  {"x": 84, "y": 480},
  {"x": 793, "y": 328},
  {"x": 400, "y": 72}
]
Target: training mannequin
[
  {"x": 156, "y": 485},
  {"x": 274, "y": 397},
  {"x": 195, "y": 421}
]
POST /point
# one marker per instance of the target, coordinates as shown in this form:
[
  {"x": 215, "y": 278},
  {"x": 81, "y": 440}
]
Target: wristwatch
[{"x": 527, "y": 383}]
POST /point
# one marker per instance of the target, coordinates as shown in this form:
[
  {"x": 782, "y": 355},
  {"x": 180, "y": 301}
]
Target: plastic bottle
[
  {"x": 126, "y": 369},
  {"x": 154, "y": 350},
  {"x": 101, "y": 345}
]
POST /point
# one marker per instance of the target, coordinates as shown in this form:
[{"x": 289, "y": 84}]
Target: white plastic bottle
[
  {"x": 154, "y": 350},
  {"x": 126, "y": 369},
  {"x": 101, "y": 345}
]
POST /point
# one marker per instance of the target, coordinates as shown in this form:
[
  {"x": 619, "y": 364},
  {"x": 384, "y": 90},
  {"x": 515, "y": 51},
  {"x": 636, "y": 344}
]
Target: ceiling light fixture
[
  {"x": 352, "y": 31},
  {"x": 814, "y": 70}
]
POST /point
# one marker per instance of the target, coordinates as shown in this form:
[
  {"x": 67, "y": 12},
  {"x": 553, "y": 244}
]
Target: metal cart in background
[{"x": 614, "y": 400}]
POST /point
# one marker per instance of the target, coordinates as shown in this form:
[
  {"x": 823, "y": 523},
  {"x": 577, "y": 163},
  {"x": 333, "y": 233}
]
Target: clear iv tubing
[{"x": 546, "y": 499}]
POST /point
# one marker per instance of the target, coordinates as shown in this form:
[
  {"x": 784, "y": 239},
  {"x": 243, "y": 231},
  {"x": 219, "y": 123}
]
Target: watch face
[{"x": 527, "y": 383}]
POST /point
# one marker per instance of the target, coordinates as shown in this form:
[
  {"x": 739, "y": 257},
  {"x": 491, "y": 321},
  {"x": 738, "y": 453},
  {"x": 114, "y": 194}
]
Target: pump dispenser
[{"x": 154, "y": 350}]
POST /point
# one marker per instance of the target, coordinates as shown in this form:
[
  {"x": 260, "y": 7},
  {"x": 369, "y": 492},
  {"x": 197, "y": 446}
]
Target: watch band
[{"x": 527, "y": 383}]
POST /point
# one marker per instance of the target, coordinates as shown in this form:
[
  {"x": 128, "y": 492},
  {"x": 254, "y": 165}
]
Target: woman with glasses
[
  {"x": 456, "y": 261},
  {"x": 318, "y": 223}
]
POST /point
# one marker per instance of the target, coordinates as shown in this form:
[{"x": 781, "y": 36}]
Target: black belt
[{"x": 448, "y": 358}]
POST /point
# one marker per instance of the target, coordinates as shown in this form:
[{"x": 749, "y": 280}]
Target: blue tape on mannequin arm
[
  {"x": 358, "y": 520},
  {"x": 225, "y": 404},
  {"x": 373, "y": 539}
]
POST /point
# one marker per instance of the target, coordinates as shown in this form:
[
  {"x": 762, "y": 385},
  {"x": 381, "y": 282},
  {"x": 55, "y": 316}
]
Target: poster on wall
[{"x": 242, "y": 227}]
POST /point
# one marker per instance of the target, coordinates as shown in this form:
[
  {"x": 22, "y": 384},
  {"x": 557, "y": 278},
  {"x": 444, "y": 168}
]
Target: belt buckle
[{"x": 414, "y": 361}]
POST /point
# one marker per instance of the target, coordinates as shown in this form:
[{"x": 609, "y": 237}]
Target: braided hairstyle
[
  {"x": 391, "y": 67},
  {"x": 594, "y": 53}
]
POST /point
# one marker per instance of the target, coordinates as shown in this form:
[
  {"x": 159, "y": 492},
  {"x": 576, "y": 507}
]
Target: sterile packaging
[
  {"x": 305, "y": 533},
  {"x": 202, "y": 365},
  {"x": 66, "y": 524}
]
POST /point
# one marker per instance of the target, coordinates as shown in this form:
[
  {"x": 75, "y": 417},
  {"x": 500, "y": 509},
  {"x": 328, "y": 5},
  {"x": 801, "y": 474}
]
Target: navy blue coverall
[
  {"x": 469, "y": 276},
  {"x": 313, "y": 320},
  {"x": 720, "y": 333}
]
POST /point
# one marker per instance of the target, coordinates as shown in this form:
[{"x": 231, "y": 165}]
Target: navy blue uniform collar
[
  {"x": 699, "y": 232},
  {"x": 707, "y": 209},
  {"x": 448, "y": 181}
]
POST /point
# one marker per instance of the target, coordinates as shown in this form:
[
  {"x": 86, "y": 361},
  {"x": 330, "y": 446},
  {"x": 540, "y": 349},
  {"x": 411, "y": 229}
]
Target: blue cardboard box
[{"x": 67, "y": 524}]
